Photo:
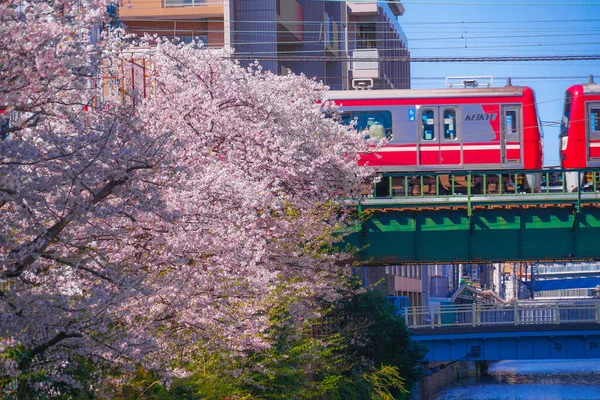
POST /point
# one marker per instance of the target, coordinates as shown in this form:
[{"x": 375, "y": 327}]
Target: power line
[
  {"x": 482, "y": 3},
  {"x": 420, "y": 59},
  {"x": 560, "y": 77}
]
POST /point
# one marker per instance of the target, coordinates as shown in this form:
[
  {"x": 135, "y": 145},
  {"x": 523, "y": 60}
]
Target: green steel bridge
[{"x": 482, "y": 217}]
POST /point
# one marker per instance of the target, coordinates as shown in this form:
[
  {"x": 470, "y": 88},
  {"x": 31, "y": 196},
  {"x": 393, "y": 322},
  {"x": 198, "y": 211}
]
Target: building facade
[
  {"x": 408, "y": 282},
  {"x": 345, "y": 45},
  {"x": 378, "y": 46}
]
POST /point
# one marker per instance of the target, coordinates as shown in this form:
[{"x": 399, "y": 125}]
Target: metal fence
[
  {"x": 501, "y": 314},
  {"x": 487, "y": 183}
]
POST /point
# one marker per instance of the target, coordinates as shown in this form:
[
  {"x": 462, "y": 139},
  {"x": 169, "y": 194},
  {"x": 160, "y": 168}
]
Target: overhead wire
[{"x": 477, "y": 40}]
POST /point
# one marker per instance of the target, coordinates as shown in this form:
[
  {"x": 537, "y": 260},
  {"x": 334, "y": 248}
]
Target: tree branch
[{"x": 26, "y": 362}]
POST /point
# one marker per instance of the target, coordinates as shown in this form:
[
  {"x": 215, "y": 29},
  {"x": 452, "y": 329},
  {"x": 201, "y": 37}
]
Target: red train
[
  {"x": 448, "y": 129},
  {"x": 580, "y": 134},
  {"x": 452, "y": 129},
  {"x": 580, "y": 127}
]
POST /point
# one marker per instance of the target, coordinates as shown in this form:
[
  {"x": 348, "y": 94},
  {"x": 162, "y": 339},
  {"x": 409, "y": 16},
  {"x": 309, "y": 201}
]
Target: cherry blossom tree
[{"x": 138, "y": 232}]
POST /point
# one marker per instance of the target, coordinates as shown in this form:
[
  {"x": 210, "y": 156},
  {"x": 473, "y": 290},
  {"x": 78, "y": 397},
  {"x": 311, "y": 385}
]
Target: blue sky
[{"x": 448, "y": 28}]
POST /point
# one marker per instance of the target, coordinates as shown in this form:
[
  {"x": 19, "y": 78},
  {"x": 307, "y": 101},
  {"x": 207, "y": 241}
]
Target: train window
[
  {"x": 427, "y": 125},
  {"x": 594, "y": 119},
  {"x": 510, "y": 120},
  {"x": 378, "y": 123},
  {"x": 450, "y": 124},
  {"x": 564, "y": 125}
]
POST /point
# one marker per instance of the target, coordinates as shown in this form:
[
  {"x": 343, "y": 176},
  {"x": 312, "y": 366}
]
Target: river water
[{"x": 531, "y": 380}]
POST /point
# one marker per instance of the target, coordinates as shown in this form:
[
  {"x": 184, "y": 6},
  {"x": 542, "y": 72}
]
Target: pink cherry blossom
[{"x": 142, "y": 230}]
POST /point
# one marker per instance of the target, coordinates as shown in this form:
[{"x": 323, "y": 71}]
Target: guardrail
[{"x": 500, "y": 314}]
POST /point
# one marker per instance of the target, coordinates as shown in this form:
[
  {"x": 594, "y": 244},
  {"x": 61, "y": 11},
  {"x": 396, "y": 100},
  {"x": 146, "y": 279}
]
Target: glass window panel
[
  {"x": 564, "y": 126},
  {"x": 510, "y": 121},
  {"x": 595, "y": 119},
  {"x": 366, "y": 36},
  {"x": 427, "y": 125},
  {"x": 449, "y": 124},
  {"x": 378, "y": 123}
]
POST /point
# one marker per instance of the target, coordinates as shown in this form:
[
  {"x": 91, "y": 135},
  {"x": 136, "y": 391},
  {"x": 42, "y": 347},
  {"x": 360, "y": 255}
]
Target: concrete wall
[{"x": 429, "y": 386}]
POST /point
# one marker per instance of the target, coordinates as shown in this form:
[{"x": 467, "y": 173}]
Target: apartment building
[
  {"x": 339, "y": 43},
  {"x": 406, "y": 281},
  {"x": 378, "y": 46}
]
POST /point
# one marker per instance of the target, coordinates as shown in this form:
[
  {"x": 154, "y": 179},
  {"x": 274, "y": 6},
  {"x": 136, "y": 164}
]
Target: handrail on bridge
[{"x": 515, "y": 313}]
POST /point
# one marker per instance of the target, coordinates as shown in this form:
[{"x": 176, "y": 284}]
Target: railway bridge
[
  {"x": 480, "y": 217},
  {"x": 487, "y": 217}
]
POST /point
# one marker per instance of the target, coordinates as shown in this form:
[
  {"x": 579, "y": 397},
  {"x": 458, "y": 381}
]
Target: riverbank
[{"x": 442, "y": 374}]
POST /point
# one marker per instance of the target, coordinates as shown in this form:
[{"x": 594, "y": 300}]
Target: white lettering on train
[{"x": 480, "y": 117}]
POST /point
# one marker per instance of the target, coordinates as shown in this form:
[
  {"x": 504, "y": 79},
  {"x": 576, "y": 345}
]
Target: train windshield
[
  {"x": 378, "y": 123},
  {"x": 564, "y": 125}
]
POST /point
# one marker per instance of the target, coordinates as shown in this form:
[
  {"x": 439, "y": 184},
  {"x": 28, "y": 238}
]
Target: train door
[
  {"x": 593, "y": 131},
  {"x": 439, "y": 136},
  {"x": 511, "y": 134}
]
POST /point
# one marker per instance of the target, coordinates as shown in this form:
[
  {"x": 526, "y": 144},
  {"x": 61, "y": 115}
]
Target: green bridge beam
[{"x": 434, "y": 233}]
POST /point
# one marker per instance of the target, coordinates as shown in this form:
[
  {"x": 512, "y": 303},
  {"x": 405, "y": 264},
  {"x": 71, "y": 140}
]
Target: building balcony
[
  {"x": 370, "y": 7},
  {"x": 167, "y": 9}
]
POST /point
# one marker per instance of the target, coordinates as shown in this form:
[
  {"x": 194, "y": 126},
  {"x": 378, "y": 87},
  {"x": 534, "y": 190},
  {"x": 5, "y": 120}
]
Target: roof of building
[
  {"x": 572, "y": 283},
  {"x": 489, "y": 294}
]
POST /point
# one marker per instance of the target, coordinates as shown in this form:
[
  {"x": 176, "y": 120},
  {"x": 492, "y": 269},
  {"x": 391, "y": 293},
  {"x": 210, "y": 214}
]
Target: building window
[
  {"x": 328, "y": 30},
  {"x": 114, "y": 84},
  {"x": 366, "y": 36}
]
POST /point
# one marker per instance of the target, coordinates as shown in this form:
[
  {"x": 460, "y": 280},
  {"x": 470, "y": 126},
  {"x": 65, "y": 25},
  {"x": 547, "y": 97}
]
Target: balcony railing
[
  {"x": 190, "y": 3},
  {"x": 365, "y": 63}
]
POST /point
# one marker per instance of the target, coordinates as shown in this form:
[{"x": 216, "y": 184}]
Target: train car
[
  {"x": 447, "y": 129},
  {"x": 580, "y": 127},
  {"x": 580, "y": 131},
  {"x": 451, "y": 129}
]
